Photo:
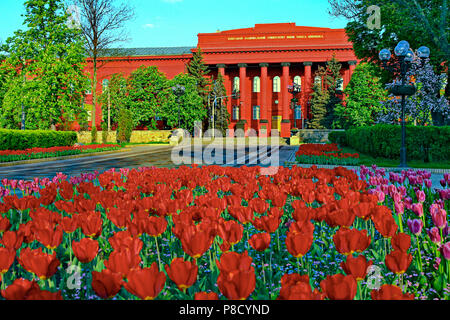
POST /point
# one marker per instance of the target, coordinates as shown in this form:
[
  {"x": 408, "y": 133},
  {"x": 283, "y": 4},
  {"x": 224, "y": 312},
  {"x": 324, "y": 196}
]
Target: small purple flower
[{"x": 415, "y": 226}]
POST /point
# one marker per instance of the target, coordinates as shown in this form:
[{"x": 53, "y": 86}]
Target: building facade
[{"x": 260, "y": 63}]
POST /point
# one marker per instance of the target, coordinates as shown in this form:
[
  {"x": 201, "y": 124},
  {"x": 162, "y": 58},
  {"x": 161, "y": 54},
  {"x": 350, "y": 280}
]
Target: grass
[{"x": 368, "y": 160}]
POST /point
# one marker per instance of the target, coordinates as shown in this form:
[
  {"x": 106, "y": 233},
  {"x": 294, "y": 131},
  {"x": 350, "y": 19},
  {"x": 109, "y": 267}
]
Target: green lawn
[{"x": 383, "y": 162}]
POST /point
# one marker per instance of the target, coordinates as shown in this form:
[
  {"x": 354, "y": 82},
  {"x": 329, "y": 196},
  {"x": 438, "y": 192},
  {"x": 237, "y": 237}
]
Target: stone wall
[
  {"x": 161, "y": 136},
  {"x": 314, "y": 136}
]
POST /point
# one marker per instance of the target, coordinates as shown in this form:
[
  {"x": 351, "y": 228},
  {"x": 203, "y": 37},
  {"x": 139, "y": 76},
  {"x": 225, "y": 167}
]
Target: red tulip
[
  {"x": 206, "y": 296},
  {"x": 70, "y": 224},
  {"x": 356, "y": 267},
  {"x": 390, "y": 292},
  {"x": 44, "y": 295},
  {"x": 298, "y": 244},
  {"x": 146, "y": 283},
  {"x": 231, "y": 231},
  {"x": 85, "y": 250},
  {"x": 348, "y": 241},
  {"x": 260, "y": 241},
  {"x": 20, "y": 289},
  {"x": 7, "y": 257},
  {"x": 339, "y": 287},
  {"x": 106, "y": 284},
  {"x": 196, "y": 242},
  {"x": 123, "y": 239},
  {"x": 156, "y": 226},
  {"x": 12, "y": 240},
  {"x": 182, "y": 273},
  {"x": 296, "y": 287},
  {"x": 50, "y": 237},
  {"x": 91, "y": 224},
  {"x": 41, "y": 264},
  {"x": 398, "y": 261},
  {"x": 123, "y": 261},
  {"x": 401, "y": 241}
]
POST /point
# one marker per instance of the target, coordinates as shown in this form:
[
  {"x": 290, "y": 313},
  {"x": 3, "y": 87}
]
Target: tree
[
  {"x": 318, "y": 101},
  {"x": 221, "y": 114},
  {"x": 190, "y": 108},
  {"x": 102, "y": 24},
  {"x": 46, "y": 78},
  {"x": 420, "y": 22},
  {"x": 332, "y": 82},
  {"x": 199, "y": 71},
  {"x": 148, "y": 92},
  {"x": 362, "y": 98},
  {"x": 425, "y": 103},
  {"x": 115, "y": 96}
]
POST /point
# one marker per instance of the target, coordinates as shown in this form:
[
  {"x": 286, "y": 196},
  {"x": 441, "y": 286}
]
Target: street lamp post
[
  {"x": 295, "y": 89},
  {"x": 406, "y": 56},
  {"x": 178, "y": 90}
]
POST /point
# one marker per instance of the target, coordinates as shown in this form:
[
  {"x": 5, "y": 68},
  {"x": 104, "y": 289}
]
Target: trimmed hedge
[
  {"x": 338, "y": 137},
  {"x": 422, "y": 143},
  {"x": 27, "y": 139}
]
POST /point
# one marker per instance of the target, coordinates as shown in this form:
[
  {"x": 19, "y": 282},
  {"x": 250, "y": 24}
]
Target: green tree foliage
[
  {"x": 420, "y": 22},
  {"x": 148, "y": 93},
  {"x": 362, "y": 98},
  {"x": 48, "y": 62},
  {"x": 332, "y": 82},
  {"x": 116, "y": 96},
  {"x": 318, "y": 101},
  {"x": 221, "y": 114},
  {"x": 189, "y": 106}
]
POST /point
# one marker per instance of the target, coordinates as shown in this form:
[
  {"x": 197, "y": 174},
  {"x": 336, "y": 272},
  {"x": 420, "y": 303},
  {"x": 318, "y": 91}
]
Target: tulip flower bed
[
  {"x": 205, "y": 233},
  {"x": 40, "y": 153},
  {"x": 325, "y": 154}
]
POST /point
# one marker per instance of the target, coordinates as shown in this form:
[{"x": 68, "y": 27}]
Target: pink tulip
[
  {"x": 428, "y": 183},
  {"x": 399, "y": 207},
  {"x": 420, "y": 196},
  {"x": 445, "y": 250},
  {"x": 417, "y": 208},
  {"x": 434, "y": 235},
  {"x": 439, "y": 218},
  {"x": 415, "y": 226}
]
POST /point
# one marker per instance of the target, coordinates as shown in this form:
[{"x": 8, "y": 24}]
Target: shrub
[
  {"x": 94, "y": 134},
  {"x": 125, "y": 126},
  {"x": 27, "y": 139},
  {"x": 338, "y": 137},
  {"x": 104, "y": 132},
  {"x": 422, "y": 142}
]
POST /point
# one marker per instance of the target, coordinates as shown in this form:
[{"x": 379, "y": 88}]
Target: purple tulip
[
  {"x": 415, "y": 226},
  {"x": 444, "y": 194},
  {"x": 446, "y": 231},
  {"x": 408, "y": 203},
  {"x": 439, "y": 218},
  {"x": 417, "y": 208},
  {"x": 428, "y": 183},
  {"x": 420, "y": 196},
  {"x": 447, "y": 177},
  {"x": 443, "y": 183},
  {"x": 402, "y": 191},
  {"x": 445, "y": 250},
  {"x": 434, "y": 235}
]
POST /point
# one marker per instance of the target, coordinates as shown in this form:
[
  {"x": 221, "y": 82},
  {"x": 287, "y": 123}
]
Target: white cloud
[{"x": 148, "y": 26}]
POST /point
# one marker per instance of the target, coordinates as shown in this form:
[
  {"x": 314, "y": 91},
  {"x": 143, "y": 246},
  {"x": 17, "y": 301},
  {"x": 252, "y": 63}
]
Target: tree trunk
[{"x": 94, "y": 92}]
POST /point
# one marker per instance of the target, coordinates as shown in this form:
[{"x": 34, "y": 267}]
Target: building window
[
  {"x": 256, "y": 84},
  {"x": 236, "y": 84},
  {"x": 298, "y": 80},
  {"x": 276, "y": 84},
  {"x": 89, "y": 89},
  {"x": 340, "y": 84},
  {"x": 298, "y": 113},
  {"x": 105, "y": 84},
  {"x": 236, "y": 113},
  {"x": 256, "y": 112},
  {"x": 318, "y": 80}
]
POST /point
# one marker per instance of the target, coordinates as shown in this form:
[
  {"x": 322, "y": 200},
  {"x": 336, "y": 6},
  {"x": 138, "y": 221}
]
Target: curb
[
  {"x": 17, "y": 163},
  {"x": 388, "y": 169}
]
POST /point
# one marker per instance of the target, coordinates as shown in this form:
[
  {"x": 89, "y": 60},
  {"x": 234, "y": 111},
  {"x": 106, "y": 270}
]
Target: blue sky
[{"x": 167, "y": 23}]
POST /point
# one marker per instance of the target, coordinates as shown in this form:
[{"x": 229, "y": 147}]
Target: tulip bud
[
  {"x": 439, "y": 218},
  {"x": 417, "y": 208},
  {"x": 415, "y": 226},
  {"x": 420, "y": 196},
  {"x": 434, "y": 235}
]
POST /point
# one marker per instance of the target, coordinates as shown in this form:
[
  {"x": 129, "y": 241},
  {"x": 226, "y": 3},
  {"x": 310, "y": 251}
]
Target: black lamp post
[
  {"x": 294, "y": 89},
  {"x": 178, "y": 90},
  {"x": 406, "y": 56}
]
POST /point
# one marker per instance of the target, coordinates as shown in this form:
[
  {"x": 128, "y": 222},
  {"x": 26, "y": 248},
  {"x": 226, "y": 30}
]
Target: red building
[{"x": 261, "y": 62}]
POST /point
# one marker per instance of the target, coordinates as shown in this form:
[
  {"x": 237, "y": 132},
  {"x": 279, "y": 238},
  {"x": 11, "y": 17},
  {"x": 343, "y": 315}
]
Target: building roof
[{"x": 157, "y": 51}]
